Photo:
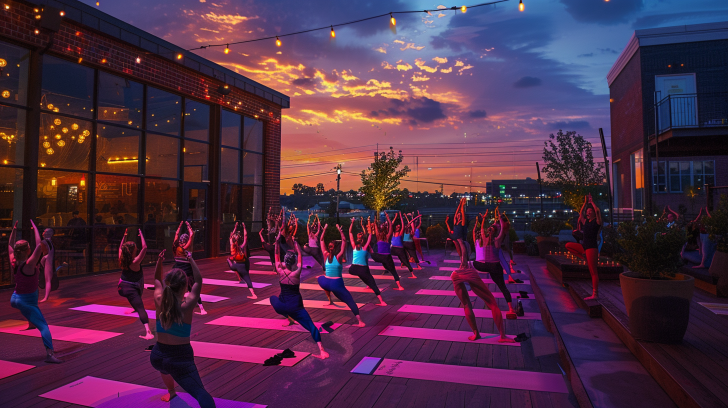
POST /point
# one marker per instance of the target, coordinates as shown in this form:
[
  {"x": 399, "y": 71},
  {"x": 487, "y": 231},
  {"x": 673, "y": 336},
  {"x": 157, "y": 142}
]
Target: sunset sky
[{"x": 467, "y": 97}]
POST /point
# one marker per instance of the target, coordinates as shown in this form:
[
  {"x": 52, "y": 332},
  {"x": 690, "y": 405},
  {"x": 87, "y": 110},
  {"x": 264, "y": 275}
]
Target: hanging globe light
[
  {"x": 50, "y": 151},
  {"x": 57, "y": 121},
  {"x": 61, "y": 143},
  {"x": 46, "y": 145},
  {"x": 74, "y": 126},
  {"x": 58, "y": 136},
  {"x": 85, "y": 133},
  {"x": 64, "y": 130}
]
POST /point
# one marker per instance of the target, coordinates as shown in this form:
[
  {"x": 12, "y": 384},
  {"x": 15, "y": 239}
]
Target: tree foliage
[
  {"x": 380, "y": 181},
  {"x": 650, "y": 249},
  {"x": 570, "y": 167}
]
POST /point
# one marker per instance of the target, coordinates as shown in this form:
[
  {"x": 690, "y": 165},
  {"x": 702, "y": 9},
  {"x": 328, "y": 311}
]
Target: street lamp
[{"x": 338, "y": 191}]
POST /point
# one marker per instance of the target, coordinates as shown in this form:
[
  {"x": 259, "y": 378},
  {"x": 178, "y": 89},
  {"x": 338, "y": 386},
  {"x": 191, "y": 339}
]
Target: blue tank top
[
  {"x": 417, "y": 233},
  {"x": 360, "y": 257},
  {"x": 333, "y": 268},
  {"x": 383, "y": 247},
  {"x": 407, "y": 238},
  {"x": 396, "y": 241},
  {"x": 179, "y": 330}
]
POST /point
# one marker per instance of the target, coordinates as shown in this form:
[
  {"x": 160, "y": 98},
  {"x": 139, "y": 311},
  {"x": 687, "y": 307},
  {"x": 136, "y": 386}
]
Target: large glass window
[
  {"x": 197, "y": 121},
  {"x": 64, "y": 142},
  {"x": 160, "y": 200},
  {"x": 253, "y": 135},
  {"x": 679, "y": 176},
  {"x": 230, "y": 129},
  {"x": 196, "y": 161},
  {"x": 14, "y": 79},
  {"x": 12, "y": 136},
  {"x": 703, "y": 173},
  {"x": 229, "y": 210},
  {"x": 659, "y": 181},
  {"x": 252, "y": 168},
  {"x": 253, "y": 203},
  {"x": 60, "y": 194},
  {"x": 120, "y": 100},
  {"x": 67, "y": 87},
  {"x": 229, "y": 165},
  {"x": 164, "y": 111},
  {"x": 162, "y": 156},
  {"x": 117, "y": 150},
  {"x": 116, "y": 199},
  {"x": 638, "y": 178},
  {"x": 11, "y": 196}
]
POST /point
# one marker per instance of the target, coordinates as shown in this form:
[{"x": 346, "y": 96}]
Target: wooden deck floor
[{"x": 312, "y": 382}]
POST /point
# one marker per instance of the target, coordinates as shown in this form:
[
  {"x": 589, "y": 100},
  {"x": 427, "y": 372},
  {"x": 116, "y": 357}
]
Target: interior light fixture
[{"x": 521, "y": 7}]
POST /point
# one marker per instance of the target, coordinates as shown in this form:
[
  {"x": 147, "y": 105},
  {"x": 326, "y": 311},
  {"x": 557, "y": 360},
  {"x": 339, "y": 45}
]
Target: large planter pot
[
  {"x": 546, "y": 245},
  {"x": 719, "y": 269},
  {"x": 658, "y": 309}
]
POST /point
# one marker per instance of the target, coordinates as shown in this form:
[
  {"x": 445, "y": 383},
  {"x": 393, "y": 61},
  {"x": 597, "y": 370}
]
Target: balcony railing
[{"x": 691, "y": 111}]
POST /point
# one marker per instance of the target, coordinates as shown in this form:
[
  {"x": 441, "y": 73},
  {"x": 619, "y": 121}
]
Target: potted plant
[
  {"x": 545, "y": 229},
  {"x": 530, "y": 243},
  {"x": 717, "y": 226},
  {"x": 656, "y": 296}
]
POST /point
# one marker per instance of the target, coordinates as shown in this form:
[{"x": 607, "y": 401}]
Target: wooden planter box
[
  {"x": 519, "y": 247},
  {"x": 563, "y": 269}
]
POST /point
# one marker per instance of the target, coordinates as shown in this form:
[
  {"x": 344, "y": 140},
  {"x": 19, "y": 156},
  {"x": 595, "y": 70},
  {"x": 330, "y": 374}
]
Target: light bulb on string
[
  {"x": 278, "y": 42},
  {"x": 333, "y": 33},
  {"x": 463, "y": 9},
  {"x": 227, "y": 48},
  {"x": 521, "y": 7},
  {"x": 138, "y": 60},
  {"x": 392, "y": 20}
]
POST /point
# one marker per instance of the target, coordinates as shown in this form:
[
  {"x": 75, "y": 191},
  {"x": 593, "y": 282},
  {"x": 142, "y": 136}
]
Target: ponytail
[
  {"x": 170, "y": 310},
  {"x": 127, "y": 251}
]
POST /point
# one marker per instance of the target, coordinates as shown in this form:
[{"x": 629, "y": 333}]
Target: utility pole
[
  {"x": 338, "y": 190},
  {"x": 609, "y": 181},
  {"x": 540, "y": 188}
]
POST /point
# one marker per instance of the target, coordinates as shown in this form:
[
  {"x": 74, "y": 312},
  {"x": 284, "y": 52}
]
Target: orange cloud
[
  {"x": 440, "y": 60},
  {"x": 459, "y": 63},
  {"x": 387, "y": 65},
  {"x": 381, "y": 49},
  {"x": 403, "y": 67},
  {"x": 421, "y": 65},
  {"x": 411, "y": 46},
  {"x": 226, "y": 18},
  {"x": 446, "y": 70},
  {"x": 419, "y": 77}
]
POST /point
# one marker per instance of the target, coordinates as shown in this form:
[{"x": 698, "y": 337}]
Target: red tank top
[
  {"x": 25, "y": 284},
  {"x": 237, "y": 254}
]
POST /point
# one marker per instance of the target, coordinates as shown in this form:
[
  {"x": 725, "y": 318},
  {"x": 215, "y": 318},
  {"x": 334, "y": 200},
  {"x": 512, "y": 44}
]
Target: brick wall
[{"x": 76, "y": 42}]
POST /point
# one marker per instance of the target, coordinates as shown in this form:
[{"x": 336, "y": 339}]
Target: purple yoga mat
[
  {"x": 267, "y": 263},
  {"x": 381, "y": 277},
  {"x": 204, "y": 297},
  {"x": 445, "y": 335},
  {"x": 379, "y": 267},
  {"x": 317, "y": 304},
  {"x": 486, "y": 377},
  {"x": 438, "y": 292},
  {"x": 259, "y": 257},
  {"x": 62, "y": 333},
  {"x": 353, "y": 289},
  {"x": 224, "y": 282},
  {"x": 8, "y": 368},
  {"x": 255, "y": 272},
  {"x": 243, "y": 354},
  {"x": 98, "y": 392},
  {"x": 261, "y": 323},
  {"x": 113, "y": 310},
  {"x": 447, "y": 278},
  {"x": 456, "y": 311}
]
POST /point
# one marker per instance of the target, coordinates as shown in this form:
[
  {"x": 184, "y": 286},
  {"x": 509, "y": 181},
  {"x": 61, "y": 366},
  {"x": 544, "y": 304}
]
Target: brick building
[
  {"x": 669, "y": 117},
  {"x": 84, "y": 97}
]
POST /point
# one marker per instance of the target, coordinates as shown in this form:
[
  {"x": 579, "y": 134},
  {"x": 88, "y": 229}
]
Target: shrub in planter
[
  {"x": 656, "y": 296},
  {"x": 545, "y": 228},
  {"x": 531, "y": 247},
  {"x": 717, "y": 228}
]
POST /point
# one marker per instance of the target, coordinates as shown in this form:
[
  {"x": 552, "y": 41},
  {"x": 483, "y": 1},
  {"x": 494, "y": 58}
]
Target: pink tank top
[{"x": 25, "y": 284}]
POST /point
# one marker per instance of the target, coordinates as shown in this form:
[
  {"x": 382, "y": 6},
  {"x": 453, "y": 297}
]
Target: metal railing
[{"x": 691, "y": 111}]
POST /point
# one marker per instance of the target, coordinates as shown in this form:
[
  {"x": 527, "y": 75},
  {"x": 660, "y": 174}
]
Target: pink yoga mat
[
  {"x": 379, "y": 267},
  {"x": 451, "y": 261},
  {"x": 264, "y": 263},
  {"x": 259, "y": 257},
  {"x": 261, "y": 323},
  {"x": 243, "y": 354},
  {"x": 204, "y": 297},
  {"x": 486, "y": 377},
  {"x": 63, "y": 333},
  {"x": 254, "y": 272},
  {"x": 381, "y": 277},
  {"x": 447, "y": 278},
  {"x": 98, "y": 392},
  {"x": 437, "y": 292},
  {"x": 353, "y": 289},
  {"x": 445, "y": 335},
  {"x": 8, "y": 368},
  {"x": 456, "y": 311},
  {"x": 223, "y": 282},
  {"x": 317, "y": 304},
  {"x": 113, "y": 310}
]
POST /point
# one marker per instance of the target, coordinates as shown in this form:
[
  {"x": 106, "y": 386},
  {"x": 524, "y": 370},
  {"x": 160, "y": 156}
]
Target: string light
[
  {"x": 463, "y": 9},
  {"x": 138, "y": 60},
  {"x": 7, "y": 7},
  {"x": 179, "y": 56},
  {"x": 521, "y": 7},
  {"x": 278, "y": 41},
  {"x": 333, "y": 34},
  {"x": 63, "y": 13},
  {"x": 37, "y": 31},
  {"x": 392, "y": 20},
  {"x": 227, "y": 49}
]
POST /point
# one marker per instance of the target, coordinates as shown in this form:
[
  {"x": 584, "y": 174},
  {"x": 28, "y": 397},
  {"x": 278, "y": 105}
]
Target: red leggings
[{"x": 591, "y": 256}]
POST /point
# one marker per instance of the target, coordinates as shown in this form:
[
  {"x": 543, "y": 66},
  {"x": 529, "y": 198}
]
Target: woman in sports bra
[
  {"x": 172, "y": 356},
  {"x": 383, "y": 234},
  {"x": 460, "y": 227},
  {"x": 290, "y": 303},
  {"x": 506, "y": 243},
  {"x": 25, "y": 295},
  {"x": 417, "y": 236},
  {"x": 180, "y": 248},
  {"x": 360, "y": 265},
  {"x": 487, "y": 259},
  {"x": 408, "y": 240},
  {"x": 332, "y": 280},
  {"x": 591, "y": 220},
  {"x": 397, "y": 245},
  {"x": 131, "y": 282},
  {"x": 314, "y": 235},
  {"x": 238, "y": 259}
]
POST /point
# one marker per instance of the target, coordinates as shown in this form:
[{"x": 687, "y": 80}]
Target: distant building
[
  {"x": 344, "y": 207},
  {"x": 519, "y": 192},
  {"x": 669, "y": 115}
]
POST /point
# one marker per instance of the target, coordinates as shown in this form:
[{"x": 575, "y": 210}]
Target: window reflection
[
  {"x": 195, "y": 161},
  {"x": 163, "y": 111},
  {"x": 229, "y": 165},
  {"x": 253, "y": 135},
  {"x": 67, "y": 87},
  {"x": 120, "y": 100},
  {"x": 197, "y": 121},
  {"x": 163, "y": 156},
  {"x": 64, "y": 142},
  {"x": 12, "y": 136},
  {"x": 11, "y": 196},
  {"x": 116, "y": 200},
  {"x": 160, "y": 201},
  {"x": 230, "y": 212},
  {"x": 117, "y": 150},
  {"x": 252, "y": 168},
  {"x": 60, "y": 194},
  {"x": 252, "y": 203},
  {"x": 14, "y": 79},
  {"x": 230, "y": 129}
]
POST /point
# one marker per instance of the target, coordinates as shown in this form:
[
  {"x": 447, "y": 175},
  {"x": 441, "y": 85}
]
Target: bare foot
[
  {"x": 399, "y": 288},
  {"x": 253, "y": 297},
  {"x": 288, "y": 323},
  {"x": 506, "y": 340},
  {"x": 360, "y": 324},
  {"x": 147, "y": 336},
  {"x": 50, "y": 358},
  {"x": 323, "y": 356},
  {"x": 474, "y": 337},
  {"x": 202, "y": 312},
  {"x": 168, "y": 396},
  {"x": 331, "y": 302},
  {"x": 368, "y": 289},
  {"x": 381, "y": 304},
  {"x": 31, "y": 326},
  {"x": 592, "y": 297},
  {"x": 413, "y": 276},
  {"x": 510, "y": 280}
]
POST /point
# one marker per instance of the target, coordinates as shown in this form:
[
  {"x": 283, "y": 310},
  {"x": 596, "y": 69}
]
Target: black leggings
[
  {"x": 290, "y": 306},
  {"x": 242, "y": 271},
  {"x": 271, "y": 249},
  {"x": 388, "y": 264},
  {"x": 365, "y": 275},
  {"x": 133, "y": 293},
  {"x": 496, "y": 274},
  {"x": 179, "y": 362},
  {"x": 409, "y": 246},
  {"x": 339, "y": 290},
  {"x": 316, "y": 253},
  {"x": 402, "y": 255}
]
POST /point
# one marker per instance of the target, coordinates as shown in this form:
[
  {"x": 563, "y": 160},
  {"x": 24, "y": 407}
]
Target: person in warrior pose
[
  {"x": 417, "y": 238},
  {"x": 408, "y": 241},
  {"x": 25, "y": 295},
  {"x": 451, "y": 234},
  {"x": 267, "y": 245},
  {"x": 506, "y": 243},
  {"x": 383, "y": 233},
  {"x": 180, "y": 248},
  {"x": 314, "y": 236},
  {"x": 460, "y": 228},
  {"x": 470, "y": 276},
  {"x": 172, "y": 355},
  {"x": 359, "y": 264},
  {"x": 487, "y": 259},
  {"x": 591, "y": 220},
  {"x": 131, "y": 282},
  {"x": 397, "y": 247},
  {"x": 290, "y": 303},
  {"x": 332, "y": 280},
  {"x": 239, "y": 257}
]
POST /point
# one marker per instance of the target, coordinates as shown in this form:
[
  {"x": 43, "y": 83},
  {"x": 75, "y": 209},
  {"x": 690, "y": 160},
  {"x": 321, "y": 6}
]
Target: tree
[
  {"x": 570, "y": 167},
  {"x": 380, "y": 181},
  {"x": 320, "y": 190}
]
